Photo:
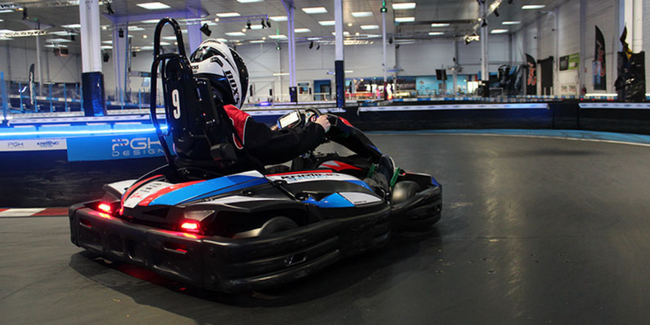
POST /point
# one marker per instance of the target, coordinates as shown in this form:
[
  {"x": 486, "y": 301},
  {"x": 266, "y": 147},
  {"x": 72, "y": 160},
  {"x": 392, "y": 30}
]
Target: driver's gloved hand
[{"x": 324, "y": 122}]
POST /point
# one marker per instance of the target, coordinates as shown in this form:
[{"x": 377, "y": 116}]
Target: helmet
[{"x": 225, "y": 69}]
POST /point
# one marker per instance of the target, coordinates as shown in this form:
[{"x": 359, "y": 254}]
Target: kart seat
[{"x": 200, "y": 128}]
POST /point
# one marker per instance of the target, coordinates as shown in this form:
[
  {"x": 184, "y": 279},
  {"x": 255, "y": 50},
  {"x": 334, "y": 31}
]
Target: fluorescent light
[
  {"x": 71, "y": 26},
  {"x": 54, "y": 45},
  {"x": 150, "y": 21},
  {"x": 440, "y": 25},
  {"x": 511, "y": 23},
  {"x": 313, "y": 38},
  {"x": 164, "y": 43},
  {"x": 235, "y": 34},
  {"x": 499, "y": 31},
  {"x": 58, "y": 40},
  {"x": 6, "y": 38},
  {"x": 256, "y": 26},
  {"x": 277, "y": 36},
  {"x": 62, "y": 33},
  {"x": 228, "y": 14},
  {"x": 315, "y": 10},
  {"x": 533, "y": 7},
  {"x": 302, "y": 30},
  {"x": 107, "y": 42},
  {"x": 222, "y": 40},
  {"x": 345, "y": 33},
  {"x": 436, "y": 33},
  {"x": 249, "y": 1},
  {"x": 278, "y": 18},
  {"x": 349, "y": 71},
  {"x": 365, "y": 27},
  {"x": 135, "y": 28},
  {"x": 5, "y": 11},
  {"x": 405, "y": 19},
  {"x": 209, "y": 22},
  {"x": 1, "y": 20},
  {"x": 281, "y": 74},
  {"x": 327, "y": 22},
  {"x": 404, "y": 6},
  {"x": 153, "y": 5},
  {"x": 258, "y": 41},
  {"x": 106, "y": 47},
  {"x": 170, "y": 38},
  {"x": 362, "y": 14}
]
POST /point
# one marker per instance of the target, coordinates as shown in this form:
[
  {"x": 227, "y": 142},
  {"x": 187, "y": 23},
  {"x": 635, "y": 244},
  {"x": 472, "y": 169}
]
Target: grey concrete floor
[{"x": 534, "y": 231}]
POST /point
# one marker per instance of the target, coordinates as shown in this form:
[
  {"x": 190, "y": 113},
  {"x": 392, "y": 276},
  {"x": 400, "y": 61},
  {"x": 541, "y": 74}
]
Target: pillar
[{"x": 92, "y": 79}]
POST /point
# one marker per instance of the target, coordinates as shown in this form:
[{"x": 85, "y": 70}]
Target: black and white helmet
[{"x": 225, "y": 69}]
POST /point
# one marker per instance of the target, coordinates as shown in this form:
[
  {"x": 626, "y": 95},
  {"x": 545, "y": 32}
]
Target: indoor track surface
[{"x": 533, "y": 231}]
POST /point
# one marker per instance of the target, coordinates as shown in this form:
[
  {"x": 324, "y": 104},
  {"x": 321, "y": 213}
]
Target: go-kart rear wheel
[
  {"x": 276, "y": 225},
  {"x": 270, "y": 227},
  {"x": 403, "y": 191}
]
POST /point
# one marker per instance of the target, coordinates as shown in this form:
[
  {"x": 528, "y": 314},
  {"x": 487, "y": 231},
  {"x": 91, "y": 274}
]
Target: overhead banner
[
  {"x": 531, "y": 81},
  {"x": 600, "y": 62},
  {"x": 31, "y": 84}
]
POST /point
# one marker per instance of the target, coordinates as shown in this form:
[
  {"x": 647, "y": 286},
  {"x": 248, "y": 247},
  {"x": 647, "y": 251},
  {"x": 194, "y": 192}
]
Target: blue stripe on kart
[
  {"x": 208, "y": 188},
  {"x": 360, "y": 183},
  {"x": 333, "y": 201}
]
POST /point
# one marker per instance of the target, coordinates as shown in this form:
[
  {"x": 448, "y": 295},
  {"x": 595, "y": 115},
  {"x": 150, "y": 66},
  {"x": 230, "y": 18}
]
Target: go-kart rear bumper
[{"x": 224, "y": 264}]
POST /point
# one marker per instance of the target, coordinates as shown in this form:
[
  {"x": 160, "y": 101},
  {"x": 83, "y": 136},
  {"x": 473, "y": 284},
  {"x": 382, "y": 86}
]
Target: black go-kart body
[{"x": 252, "y": 230}]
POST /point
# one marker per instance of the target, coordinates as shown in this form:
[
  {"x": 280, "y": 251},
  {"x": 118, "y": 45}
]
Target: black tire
[
  {"x": 276, "y": 225},
  {"x": 404, "y": 191}
]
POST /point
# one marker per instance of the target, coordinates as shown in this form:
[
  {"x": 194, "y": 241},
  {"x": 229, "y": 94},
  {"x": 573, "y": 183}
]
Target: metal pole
[
  {"x": 65, "y": 98},
  {"x": 339, "y": 68},
  {"x": 5, "y": 104},
  {"x": 20, "y": 95},
  {"x": 383, "y": 17},
  {"x": 485, "y": 74},
  {"x": 38, "y": 63},
  {"x": 51, "y": 105}
]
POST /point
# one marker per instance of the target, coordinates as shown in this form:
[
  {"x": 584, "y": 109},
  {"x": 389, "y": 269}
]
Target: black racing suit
[{"x": 261, "y": 145}]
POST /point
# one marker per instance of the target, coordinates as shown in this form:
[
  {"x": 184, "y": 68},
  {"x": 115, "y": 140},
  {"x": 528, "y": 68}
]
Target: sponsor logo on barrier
[
  {"x": 32, "y": 145},
  {"x": 15, "y": 144},
  {"x": 48, "y": 144},
  {"x": 135, "y": 147}
]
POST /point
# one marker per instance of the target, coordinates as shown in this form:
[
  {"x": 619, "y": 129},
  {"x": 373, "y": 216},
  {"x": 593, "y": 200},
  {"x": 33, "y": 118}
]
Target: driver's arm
[{"x": 275, "y": 147}]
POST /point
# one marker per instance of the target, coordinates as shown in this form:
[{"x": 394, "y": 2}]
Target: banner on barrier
[
  {"x": 114, "y": 147},
  {"x": 32, "y": 145}
]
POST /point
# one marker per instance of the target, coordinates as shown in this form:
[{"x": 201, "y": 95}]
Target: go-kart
[{"x": 255, "y": 229}]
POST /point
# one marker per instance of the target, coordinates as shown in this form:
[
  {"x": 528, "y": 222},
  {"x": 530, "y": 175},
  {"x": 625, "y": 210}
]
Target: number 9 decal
[{"x": 176, "y": 102}]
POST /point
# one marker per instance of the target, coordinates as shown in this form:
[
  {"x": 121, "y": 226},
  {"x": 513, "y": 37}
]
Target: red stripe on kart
[
  {"x": 319, "y": 171},
  {"x": 3, "y": 210},
  {"x": 346, "y": 122},
  {"x": 340, "y": 166},
  {"x": 52, "y": 212},
  {"x": 164, "y": 191},
  {"x": 134, "y": 187}
]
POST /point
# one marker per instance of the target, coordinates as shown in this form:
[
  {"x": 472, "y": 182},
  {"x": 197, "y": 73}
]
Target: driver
[{"x": 228, "y": 77}]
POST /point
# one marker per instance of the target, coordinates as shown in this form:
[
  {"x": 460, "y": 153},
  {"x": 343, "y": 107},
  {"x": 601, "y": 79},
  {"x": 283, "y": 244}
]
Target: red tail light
[
  {"x": 191, "y": 226},
  {"x": 105, "y": 207}
]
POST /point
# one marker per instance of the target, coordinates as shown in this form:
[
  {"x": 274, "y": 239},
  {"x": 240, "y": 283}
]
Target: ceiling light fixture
[
  {"x": 362, "y": 14},
  {"x": 440, "y": 25},
  {"x": 228, "y": 14},
  {"x": 533, "y": 7},
  {"x": 499, "y": 31},
  {"x": 404, "y": 19},
  {"x": 278, "y": 18},
  {"x": 327, "y": 22},
  {"x": 153, "y": 5},
  {"x": 404, "y": 6},
  {"x": 315, "y": 10},
  {"x": 366, "y": 27},
  {"x": 511, "y": 23}
]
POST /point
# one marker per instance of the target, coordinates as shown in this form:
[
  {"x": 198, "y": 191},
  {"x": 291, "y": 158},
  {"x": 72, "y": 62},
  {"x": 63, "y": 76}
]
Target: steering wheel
[{"x": 311, "y": 115}]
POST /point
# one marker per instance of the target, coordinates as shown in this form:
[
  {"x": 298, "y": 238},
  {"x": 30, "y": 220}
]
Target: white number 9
[{"x": 176, "y": 103}]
